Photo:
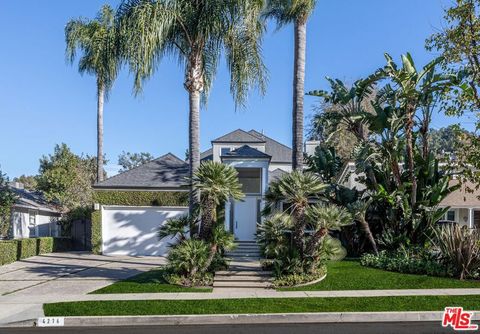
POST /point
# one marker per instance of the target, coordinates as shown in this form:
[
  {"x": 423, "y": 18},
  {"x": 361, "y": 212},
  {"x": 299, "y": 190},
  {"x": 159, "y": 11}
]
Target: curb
[{"x": 236, "y": 319}]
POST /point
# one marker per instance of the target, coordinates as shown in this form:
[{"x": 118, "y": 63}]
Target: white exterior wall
[
  {"x": 462, "y": 215},
  {"x": 45, "y": 224},
  {"x": 217, "y": 148},
  {"x": 134, "y": 230}
]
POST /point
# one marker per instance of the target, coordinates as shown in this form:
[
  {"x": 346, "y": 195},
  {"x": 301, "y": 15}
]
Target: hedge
[
  {"x": 13, "y": 250},
  {"x": 96, "y": 232},
  {"x": 130, "y": 198},
  {"x": 141, "y": 198}
]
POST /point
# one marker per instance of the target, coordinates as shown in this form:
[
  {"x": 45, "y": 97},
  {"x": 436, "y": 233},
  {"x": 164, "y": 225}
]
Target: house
[
  {"x": 32, "y": 215},
  {"x": 463, "y": 204},
  {"x": 132, "y": 205}
]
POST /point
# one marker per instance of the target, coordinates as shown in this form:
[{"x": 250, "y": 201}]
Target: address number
[{"x": 51, "y": 322}]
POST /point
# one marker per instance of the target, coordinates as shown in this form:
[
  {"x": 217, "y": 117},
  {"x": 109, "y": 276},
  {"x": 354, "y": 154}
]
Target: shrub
[
  {"x": 409, "y": 261},
  {"x": 141, "y": 198},
  {"x": 459, "y": 248},
  {"x": 188, "y": 259},
  {"x": 8, "y": 251},
  {"x": 297, "y": 279},
  {"x": 45, "y": 245},
  {"x": 28, "y": 248}
]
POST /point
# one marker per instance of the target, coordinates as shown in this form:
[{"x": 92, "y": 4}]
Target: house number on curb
[{"x": 50, "y": 322}]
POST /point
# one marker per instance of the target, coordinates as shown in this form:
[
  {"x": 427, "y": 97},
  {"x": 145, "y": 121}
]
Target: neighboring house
[
  {"x": 32, "y": 215},
  {"x": 464, "y": 206},
  {"x": 132, "y": 230}
]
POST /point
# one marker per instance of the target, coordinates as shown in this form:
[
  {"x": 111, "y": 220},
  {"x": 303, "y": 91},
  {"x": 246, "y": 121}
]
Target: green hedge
[
  {"x": 130, "y": 198},
  {"x": 96, "y": 232},
  {"x": 141, "y": 198},
  {"x": 8, "y": 251},
  {"x": 13, "y": 250}
]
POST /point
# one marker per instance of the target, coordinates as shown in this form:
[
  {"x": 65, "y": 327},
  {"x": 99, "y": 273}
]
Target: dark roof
[
  {"x": 276, "y": 174},
  {"x": 278, "y": 151},
  {"x": 207, "y": 155},
  {"x": 238, "y": 136},
  {"x": 168, "y": 171},
  {"x": 33, "y": 200},
  {"x": 246, "y": 152}
]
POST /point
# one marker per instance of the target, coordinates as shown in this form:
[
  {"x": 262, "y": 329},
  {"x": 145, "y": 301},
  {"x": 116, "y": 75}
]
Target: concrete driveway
[{"x": 61, "y": 274}]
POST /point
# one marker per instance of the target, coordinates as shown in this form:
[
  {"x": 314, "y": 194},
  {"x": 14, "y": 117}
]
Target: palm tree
[
  {"x": 296, "y": 190},
  {"x": 217, "y": 183},
  {"x": 296, "y": 12},
  {"x": 359, "y": 210},
  {"x": 96, "y": 40},
  {"x": 196, "y": 33}
]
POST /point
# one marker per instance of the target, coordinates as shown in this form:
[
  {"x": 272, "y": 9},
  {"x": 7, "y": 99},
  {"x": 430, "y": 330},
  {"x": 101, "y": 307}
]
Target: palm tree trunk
[
  {"x": 194, "y": 86},
  {"x": 299, "y": 230},
  {"x": 410, "y": 157},
  {"x": 368, "y": 233},
  {"x": 100, "y": 100},
  {"x": 298, "y": 93}
]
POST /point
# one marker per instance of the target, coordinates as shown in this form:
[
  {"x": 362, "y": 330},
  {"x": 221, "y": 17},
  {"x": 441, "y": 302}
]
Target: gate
[{"x": 81, "y": 235}]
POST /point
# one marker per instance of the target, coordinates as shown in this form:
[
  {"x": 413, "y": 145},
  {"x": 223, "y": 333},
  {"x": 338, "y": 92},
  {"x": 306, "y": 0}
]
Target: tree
[
  {"x": 7, "y": 199},
  {"x": 296, "y": 12},
  {"x": 97, "y": 41},
  {"x": 447, "y": 141},
  {"x": 131, "y": 160},
  {"x": 459, "y": 45},
  {"x": 295, "y": 189},
  {"x": 195, "y": 33},
  {"x": 217, "y": 183},
  {"x": 66, "y": 178},
  {"x": 29, "y": 181}
]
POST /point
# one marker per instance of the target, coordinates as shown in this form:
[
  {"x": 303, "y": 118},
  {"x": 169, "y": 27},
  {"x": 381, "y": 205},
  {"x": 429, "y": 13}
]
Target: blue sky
[{"x": 44, "y": 101}]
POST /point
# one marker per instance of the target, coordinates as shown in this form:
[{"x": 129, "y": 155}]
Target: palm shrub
[
  {"x": 188, "y": 262},
  {"x": 460, "y": 248}
]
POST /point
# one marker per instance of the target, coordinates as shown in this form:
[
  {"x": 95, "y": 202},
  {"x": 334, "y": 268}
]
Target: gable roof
[
  {"x": 276, "y": 174},
  {"x": 237, "y": 136},
  {"x": 278, "y": 151},
  {"x": 461, "y": 197},
  {"x": 246, "y": 152},
  {"x": 34, "y": 200},
  {"x": 207, "y": 155},
  {"x": 167, "y": 171}
]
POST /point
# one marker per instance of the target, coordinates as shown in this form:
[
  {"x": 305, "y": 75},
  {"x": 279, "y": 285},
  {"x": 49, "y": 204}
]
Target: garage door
[{"x": 134, "y": 231}]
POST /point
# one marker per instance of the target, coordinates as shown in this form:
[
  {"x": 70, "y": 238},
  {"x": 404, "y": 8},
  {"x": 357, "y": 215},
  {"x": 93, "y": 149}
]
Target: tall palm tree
[
  {"x": 196, "y": 33},
  {"x": 96, "y": 40},
  {"x": 296, "y": 12}
]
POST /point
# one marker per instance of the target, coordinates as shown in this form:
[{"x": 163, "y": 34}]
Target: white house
[
  {"x": 32, "y": 215},
  {"x": 132, "y": 230}
]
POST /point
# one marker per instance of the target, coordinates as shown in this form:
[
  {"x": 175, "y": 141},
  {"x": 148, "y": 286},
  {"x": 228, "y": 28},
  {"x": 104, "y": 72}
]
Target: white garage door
[{"x": 134, "y": 230}]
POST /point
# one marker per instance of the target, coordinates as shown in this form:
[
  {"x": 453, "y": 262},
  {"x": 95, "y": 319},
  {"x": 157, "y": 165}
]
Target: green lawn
[
  {"x": 350, "y": 275},
  {"x": 150, "y": 281},
  {"x": 260, "y": 305}
]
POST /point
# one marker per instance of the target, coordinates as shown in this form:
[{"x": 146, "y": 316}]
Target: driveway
[{"x": 61, "y": 274}]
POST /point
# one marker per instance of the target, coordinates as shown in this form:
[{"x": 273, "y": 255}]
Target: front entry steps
[{"x": 245, "y": 270}]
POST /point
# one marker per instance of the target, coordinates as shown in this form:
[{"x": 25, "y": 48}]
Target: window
[
  {"x": 224, "y": 150},
  {"x": 250, "y": 179},
  {"x": 451, "y": 215},
  {"x": 32, "y": 223}
]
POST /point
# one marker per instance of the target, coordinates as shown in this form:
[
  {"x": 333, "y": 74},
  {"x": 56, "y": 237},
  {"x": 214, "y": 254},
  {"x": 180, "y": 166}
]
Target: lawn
[
  {"x": 148, "y": 282},
  {"x": 350, "y": 275},
  {"x": 260, "y": 305}
]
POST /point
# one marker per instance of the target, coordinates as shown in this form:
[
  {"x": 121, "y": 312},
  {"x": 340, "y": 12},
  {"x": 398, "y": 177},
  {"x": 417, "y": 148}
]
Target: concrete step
[
  {"x": 236, "y": 279},
  {"x": 243, "y": 254},
  {"x": 243, "y": 273},
  {"x": 247, "y": 246},
  {"x": 241, "y": 284}
]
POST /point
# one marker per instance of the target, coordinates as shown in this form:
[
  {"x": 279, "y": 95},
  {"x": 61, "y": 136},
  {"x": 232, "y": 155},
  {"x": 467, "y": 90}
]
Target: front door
[{"x": 245, "y": 219}]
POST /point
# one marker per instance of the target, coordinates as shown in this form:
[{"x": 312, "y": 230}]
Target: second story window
[{"x": 224, "y": 150}]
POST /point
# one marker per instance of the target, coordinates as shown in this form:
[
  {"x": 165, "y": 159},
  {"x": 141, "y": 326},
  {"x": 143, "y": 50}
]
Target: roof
[
  {"x": 33, "y": 200},
  {"x": 276, "y": 174},
  {"x": 246, "y": 152},
  {"x": 167, "y": 171},
  {"x": 461, "y": 197},
  {"x": 207, "y": 155},
  {"x": 238, "y": 136},
  {"x": 278, "y": 151}
]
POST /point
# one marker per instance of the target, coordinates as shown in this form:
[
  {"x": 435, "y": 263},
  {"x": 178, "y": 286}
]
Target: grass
[
  {"x": 260, "y": 305},
  {"x": 148, "y": 282},
  {"x": 350, "y": 275}
]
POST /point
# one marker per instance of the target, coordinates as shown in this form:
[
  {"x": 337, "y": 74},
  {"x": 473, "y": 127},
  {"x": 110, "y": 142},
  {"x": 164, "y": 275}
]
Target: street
[{"x": 357, "y": 328}]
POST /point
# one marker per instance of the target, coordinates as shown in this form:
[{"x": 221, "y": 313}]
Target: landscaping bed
[
  {"x": 350, "y": 275},
  {"x": 148, "y": 282},
  {"x": 260, "y": 305}
]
